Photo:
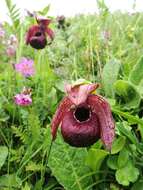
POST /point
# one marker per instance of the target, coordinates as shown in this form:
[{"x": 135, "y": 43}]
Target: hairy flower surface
[
  {"x": 37, "y": 34},
  {"x": 84, "y": 117},
  {"x": 25, "y": 67}
]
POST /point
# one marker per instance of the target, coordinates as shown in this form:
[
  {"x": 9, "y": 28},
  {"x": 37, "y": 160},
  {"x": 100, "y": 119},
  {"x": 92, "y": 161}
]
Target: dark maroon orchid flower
[
  {"x": 84, "y": 117},
  {"x": 37, "y": 34}
]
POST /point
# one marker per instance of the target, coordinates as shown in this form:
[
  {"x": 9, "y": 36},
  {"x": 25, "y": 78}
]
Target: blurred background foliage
[{"x": 105, "y": 48}]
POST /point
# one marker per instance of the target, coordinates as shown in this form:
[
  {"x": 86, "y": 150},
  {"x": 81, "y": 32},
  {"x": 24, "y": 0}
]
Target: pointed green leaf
[
  {"x": 112, "y": 162},
  {"x": 3, "y": 155},
  {"x": 26, "y": 187},
  {"x": 126, "y": 94},
  {"x": 123, "y": 158},
  {"x": 136, "y": 75},
  {"x": 109, "y": 77},
  {"x": 45, "y": 11},
  {"x": 11, "y": 181},
  {"x": 95, "y": 158},
  {"x": 68, "y": 166},
  {"x": 118, "y": 144}
]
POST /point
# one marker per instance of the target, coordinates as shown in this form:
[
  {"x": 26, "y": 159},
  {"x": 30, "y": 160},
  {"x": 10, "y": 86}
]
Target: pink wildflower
[
  {"x": 2, "y": 33},
  {"x": 11, "y": 45},
  {"x": 25, "y": 67},
  {"x": 10, "y": 50},
  {"x": 23, "y": 99},
  {"x": 106, "y": 35}
]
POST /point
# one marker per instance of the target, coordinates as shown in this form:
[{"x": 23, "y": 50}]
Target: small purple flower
[
  {"x": 22, "y": 99},
  {"x": 25, "y": 67},
  {"x": 11, "y": 50},
  {"x": 2, "y": 32},
  {"x": 11, "y": 45},
  {"x": 106, "y": 35}
]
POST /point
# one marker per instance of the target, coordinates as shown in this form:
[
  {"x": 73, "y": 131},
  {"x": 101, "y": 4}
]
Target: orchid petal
[
  {"x": 79, "y": 93},
  {"x": 50, "y": 33},
  {"x": 103, "y": 111},
  {"x": 32, "y": 30},
  {"x": 64, "y": 106},
  {"x": 43, "y": 20}
]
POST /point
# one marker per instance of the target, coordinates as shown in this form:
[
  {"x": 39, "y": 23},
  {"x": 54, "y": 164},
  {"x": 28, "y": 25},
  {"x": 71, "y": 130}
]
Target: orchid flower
[
  {"x": 84, "y": 117},
  {"x": 37, "y": 34}
]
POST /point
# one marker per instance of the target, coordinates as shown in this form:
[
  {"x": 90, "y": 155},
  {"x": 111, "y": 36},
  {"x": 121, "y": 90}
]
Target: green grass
[{"x": 79, "y": 51}]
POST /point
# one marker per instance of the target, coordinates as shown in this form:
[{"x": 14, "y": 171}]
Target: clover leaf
[{"x": 127, "y": 174}]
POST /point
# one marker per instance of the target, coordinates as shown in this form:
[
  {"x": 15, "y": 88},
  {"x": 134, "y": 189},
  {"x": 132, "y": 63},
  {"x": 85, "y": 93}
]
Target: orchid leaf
[
  {"x": 109, "y": 77},
  {"x": 3, "y": 155},
  {"x": 112, "y": 162},
  {"x": 10, "y": 180},
  {"x": 95, "y": 158},
  {"x": 123, "y": 158},
  {"x": 118, "y": 144},
  {"x": 127, "y": 94},
  {"x": 136, "y": 74},
  {"x": 73, "y": 165}
]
